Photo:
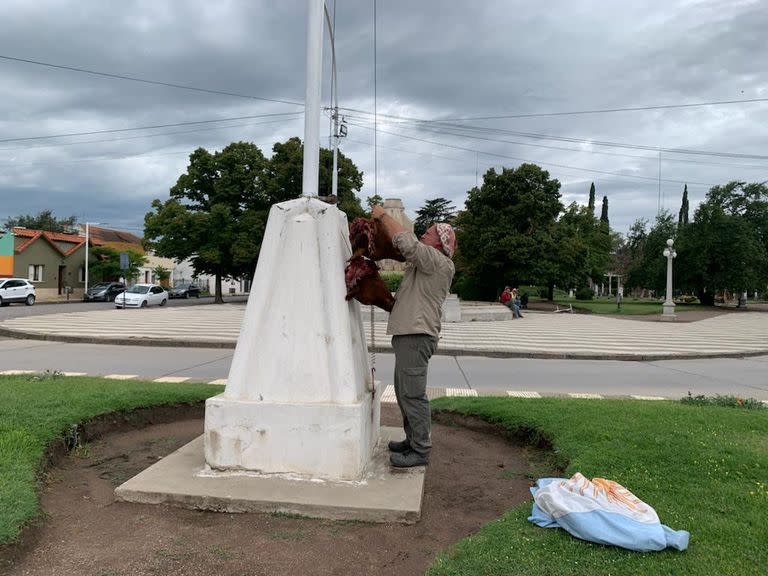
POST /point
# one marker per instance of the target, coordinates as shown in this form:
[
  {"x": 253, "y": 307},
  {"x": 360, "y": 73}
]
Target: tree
[
  {"x": 372, "y": 201},
  {"x": 162, "y": 274},
  {"x": 591, "y": 204},
  {"x": 724, "y": 246},
  {"x": 44, "y": 220},
  {"x": 567, "y": 250},
  {"x": 284, "y": 176},
  {"x": 604, "y": 213},
  {"x": 505, "y": 230},
  {"x": 435, "y": 210},
  {"x": 105, "y": 265},
  {"x": 682, "y": 218},
  {"x": 216, "y": 213},
  {"x": 648, "y": 268}
]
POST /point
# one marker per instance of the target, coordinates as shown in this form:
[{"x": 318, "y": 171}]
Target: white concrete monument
[
  {"x": 299, "y": 395},
  {"x": 297, "y": 427}
]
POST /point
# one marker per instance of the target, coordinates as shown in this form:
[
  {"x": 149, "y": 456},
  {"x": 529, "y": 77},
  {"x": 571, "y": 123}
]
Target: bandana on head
[{"x": 447, "y": 239}]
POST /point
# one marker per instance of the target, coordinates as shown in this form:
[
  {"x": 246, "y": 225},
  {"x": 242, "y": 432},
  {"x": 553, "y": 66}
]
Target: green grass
[
  {"x": 703, "y": 468},
  {"x": 629, "y": 306},
  {"x": 33, "y": 413}
]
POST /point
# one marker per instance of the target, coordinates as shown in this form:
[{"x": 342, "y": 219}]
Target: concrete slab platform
[{"x": 183, "y": 479}]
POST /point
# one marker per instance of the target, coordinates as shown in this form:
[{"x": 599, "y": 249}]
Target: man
[{"x": 414, "y": 325}]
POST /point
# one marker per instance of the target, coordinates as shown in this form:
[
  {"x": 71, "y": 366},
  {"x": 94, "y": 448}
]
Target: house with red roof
[{"x": 52, "y": 261}]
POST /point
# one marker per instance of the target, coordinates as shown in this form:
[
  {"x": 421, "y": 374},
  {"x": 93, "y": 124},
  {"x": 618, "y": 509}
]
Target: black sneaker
[
  {"x": 402, "y": 446},
  {"x": 408, "y": 459}
]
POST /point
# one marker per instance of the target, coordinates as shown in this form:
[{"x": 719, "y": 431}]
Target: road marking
[
  {"x": 121, "y": 376},
  {"x": 460, "y": 392},
  {"x": 171, "y": 379},
  {"x": 219, "y": 382},
  {"x": 389, "y": 395},
  {"x": 638, "y": 397},
  {"x": 523, "y": 394},
  {"x": 585, "y": 395},
  {"x": 75, "y": 374},
  {"x": 16, "y": 372}
]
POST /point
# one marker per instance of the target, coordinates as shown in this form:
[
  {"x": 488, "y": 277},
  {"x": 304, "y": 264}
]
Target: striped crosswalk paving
[{"x": 550, "y": 335}]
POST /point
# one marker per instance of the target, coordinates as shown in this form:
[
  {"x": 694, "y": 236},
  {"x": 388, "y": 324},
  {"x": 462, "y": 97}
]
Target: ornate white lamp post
[{"x": 669, "y": 304}]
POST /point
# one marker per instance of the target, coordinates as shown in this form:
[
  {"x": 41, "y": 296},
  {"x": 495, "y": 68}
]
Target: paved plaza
[{"x": 537, "y": 335}]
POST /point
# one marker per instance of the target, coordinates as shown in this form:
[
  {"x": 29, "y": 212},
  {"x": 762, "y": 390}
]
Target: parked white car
[
  {"x": 16, "y": 290},
  {"x": 141, "y": 296}
]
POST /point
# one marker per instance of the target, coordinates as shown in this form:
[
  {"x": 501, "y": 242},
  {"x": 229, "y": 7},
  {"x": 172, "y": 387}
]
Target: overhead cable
[{"x": 147, "y": 81}]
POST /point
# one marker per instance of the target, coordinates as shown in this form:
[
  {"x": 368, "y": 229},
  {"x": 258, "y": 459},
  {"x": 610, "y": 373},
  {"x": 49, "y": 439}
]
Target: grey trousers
[{"x": 412, "y": 354}]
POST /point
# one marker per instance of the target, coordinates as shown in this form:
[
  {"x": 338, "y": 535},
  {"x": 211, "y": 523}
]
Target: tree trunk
[
  {"x": 218, "y": 297},
  {"x": 706, "y": 298},
  {"x": 550, "y": 292}
]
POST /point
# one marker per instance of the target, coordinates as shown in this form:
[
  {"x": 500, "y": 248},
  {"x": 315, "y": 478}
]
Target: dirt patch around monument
[{"x": 474, "y": 476}]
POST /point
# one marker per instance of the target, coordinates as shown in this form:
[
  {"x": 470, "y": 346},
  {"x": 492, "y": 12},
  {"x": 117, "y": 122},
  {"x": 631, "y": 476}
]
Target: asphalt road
[
  {"x": 747, "y": 377},
  {"x": 19, "y": 310}
]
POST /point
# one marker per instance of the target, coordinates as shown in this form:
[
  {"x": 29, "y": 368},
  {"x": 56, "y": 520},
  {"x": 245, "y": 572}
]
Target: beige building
[{"x": 395, "y": 209}]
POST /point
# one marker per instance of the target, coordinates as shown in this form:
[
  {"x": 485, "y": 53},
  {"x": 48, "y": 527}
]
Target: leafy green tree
[
  {"x": 646, "y": 267},
  {"x": 567, "y": 251},
  {"x": 604, "y": 212},
  {"x": 105, "y": 264},
  {"x": 724, "y": 247},
  {"x": 372, "y": 201},
  {"x": 435, "y": 210},
  {"x": 591, "y": 203},
  {"x": 682, "y": 218},
  {"x": 284, "y": 176},
  {"x": 216, "y": 212},
  {"x": 505, "y": 230},
  {"x": 162, "y": 274},
  {"x": 43, "y": 220}
]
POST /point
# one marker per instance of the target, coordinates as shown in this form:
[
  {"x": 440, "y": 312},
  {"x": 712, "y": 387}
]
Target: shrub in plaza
[
  {"x": 392, "y": 280},
  {"x": 585, "y": 293}
]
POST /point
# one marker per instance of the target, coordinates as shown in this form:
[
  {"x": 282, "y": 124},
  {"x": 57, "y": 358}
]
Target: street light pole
[
  {"x": 669, "y": 304},
  {"x": 87, "y": 233}
]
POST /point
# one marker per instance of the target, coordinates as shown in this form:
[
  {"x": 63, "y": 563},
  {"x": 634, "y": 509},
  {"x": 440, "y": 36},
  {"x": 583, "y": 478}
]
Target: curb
[{"x": 441, "y": 351}]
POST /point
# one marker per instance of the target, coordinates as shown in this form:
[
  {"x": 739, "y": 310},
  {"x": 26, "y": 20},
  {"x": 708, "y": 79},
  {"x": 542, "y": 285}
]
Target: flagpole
[{"x": 311, "y": 175}]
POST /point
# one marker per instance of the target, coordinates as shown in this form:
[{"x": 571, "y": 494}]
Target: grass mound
[
  {"x": 35, "y": 410},
  {"x": 703, "y": 468}
]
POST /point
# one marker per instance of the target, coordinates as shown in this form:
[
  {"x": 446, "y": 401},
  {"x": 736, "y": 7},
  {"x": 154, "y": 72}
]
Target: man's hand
[{"x": 377, "y": 212}]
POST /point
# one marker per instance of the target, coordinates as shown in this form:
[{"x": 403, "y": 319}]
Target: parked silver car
[{"x": 16, "y": 290}]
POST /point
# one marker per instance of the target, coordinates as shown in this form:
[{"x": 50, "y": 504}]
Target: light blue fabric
[{"x": 609, "y": 528}]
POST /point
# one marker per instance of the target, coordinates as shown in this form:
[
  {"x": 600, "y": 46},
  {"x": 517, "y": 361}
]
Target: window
[
  {"x": 35, "y": 273},
  {"x": 81, "y": 274}
]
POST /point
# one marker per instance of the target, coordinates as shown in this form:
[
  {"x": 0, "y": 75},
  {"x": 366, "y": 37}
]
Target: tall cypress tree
[
  {"x": 604, "y": 213},
  {"x": 682, "y": 219},
  {"x": 591, "y": 205}
]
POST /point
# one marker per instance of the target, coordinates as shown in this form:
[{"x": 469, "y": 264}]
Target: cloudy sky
[{"x": 448, "y": 62}]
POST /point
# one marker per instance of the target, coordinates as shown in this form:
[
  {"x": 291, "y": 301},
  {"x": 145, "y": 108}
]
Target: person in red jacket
[{"x": 506, "y": 296}]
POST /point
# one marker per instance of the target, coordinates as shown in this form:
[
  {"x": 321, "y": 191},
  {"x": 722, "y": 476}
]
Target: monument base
[
  {"x": 668, "y": 313},
  {"x": 316, "y": 440},
  {"x": 183, "y": 479}
]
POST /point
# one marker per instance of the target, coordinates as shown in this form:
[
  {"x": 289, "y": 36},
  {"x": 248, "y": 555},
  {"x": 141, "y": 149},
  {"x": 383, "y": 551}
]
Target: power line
[
  {"x": 580, "y": 150},
  {"x": 604, "y": 110},
  {"x": 570, "y": 112},
  {"x": 153, "y": 127},
  {"x": 103, "y": 140},
  {"x": 535, "y": 161},
  {"x": 609, "y": 144},
  {"x": 147, "y": 81}
]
